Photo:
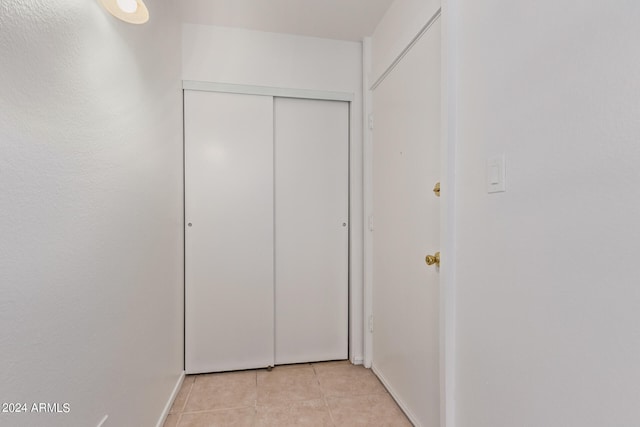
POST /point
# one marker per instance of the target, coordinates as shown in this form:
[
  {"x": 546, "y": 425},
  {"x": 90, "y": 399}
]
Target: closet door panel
[
  {"x": 311, "y": 229},
  {"x": 229, "y": 246}
]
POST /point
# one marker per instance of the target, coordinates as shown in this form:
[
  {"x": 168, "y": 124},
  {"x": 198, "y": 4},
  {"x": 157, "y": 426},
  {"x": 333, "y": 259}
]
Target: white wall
[
  {"x": 90, "y": 212},
  {"x": 402, "y": 22},
  {"x": 238, "y": 56},
  {"x": 547, "y": 290},
  {"x": 234, "y": 55}
]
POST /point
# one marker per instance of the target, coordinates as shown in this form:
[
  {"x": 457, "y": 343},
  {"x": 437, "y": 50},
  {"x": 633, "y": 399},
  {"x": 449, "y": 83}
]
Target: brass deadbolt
[{"x": 436, "y": 189}]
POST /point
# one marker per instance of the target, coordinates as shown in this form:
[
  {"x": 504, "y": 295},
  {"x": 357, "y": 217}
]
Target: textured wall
[
  {"x": 548, "y": 296},
  {"x": 90, "y": 212}
]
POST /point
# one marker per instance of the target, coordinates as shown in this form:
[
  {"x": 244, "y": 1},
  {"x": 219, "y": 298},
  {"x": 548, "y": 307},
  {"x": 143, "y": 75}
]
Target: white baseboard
[
  {"x": 395, "y": 396},
  {"x": 357, "y": 360},
  {"x": 167, "y": 407}
]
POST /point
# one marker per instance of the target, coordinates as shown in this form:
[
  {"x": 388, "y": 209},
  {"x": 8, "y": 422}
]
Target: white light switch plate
[{"x": 496, "y": 174}]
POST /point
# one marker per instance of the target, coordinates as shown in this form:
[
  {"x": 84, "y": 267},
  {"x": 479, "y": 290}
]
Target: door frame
[{"x": 356, "y": 224}]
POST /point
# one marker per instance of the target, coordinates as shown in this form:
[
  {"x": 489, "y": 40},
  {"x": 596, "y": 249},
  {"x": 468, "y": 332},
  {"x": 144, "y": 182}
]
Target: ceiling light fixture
[{"x": 131, "y": 11}]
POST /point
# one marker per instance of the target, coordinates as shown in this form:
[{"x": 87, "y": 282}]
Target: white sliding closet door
[
  {"x": 311, "y": 230},
  {"x": 229, "y": 232}
]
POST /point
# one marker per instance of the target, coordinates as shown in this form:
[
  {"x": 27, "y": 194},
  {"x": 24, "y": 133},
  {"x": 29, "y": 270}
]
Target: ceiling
[{"x": 334, "y": 19}]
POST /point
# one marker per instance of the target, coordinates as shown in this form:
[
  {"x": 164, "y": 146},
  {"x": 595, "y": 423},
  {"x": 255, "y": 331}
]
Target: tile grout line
[
  {"x": 186, "y": 399},
  {"x": 206, "y": 411},
  {"x": 184, "y": 405},
  {"x": 324, "y": 396},
  {"x": 255, "y": 402}
]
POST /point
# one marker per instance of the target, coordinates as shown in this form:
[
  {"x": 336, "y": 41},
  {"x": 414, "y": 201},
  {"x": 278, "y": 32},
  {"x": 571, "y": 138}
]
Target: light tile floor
[{"x": 314, "y": 394}]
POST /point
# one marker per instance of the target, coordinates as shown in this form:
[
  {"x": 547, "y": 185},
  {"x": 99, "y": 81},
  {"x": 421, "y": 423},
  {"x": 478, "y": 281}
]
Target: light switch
[{"x": 496, "y": 175}]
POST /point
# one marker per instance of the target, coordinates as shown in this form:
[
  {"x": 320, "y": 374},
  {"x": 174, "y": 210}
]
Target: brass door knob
[
  {"x": 433, "y": 259},
  {"x": 436, "y": 189}
]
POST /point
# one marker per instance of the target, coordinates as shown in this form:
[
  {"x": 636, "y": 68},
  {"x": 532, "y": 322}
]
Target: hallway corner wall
[
  {"x": 91, "y": 302},
  {"x": 547, "y": 272}
]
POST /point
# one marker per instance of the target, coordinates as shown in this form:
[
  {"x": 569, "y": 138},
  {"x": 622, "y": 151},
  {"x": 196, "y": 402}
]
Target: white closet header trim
[{"x": 267, "y": 91}]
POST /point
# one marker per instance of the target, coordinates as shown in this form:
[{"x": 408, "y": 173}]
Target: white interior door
[
  {"x": 229, "y": 231},
  {"x": 311, "y": 229},
  {"x": 407, "y": 227}
]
